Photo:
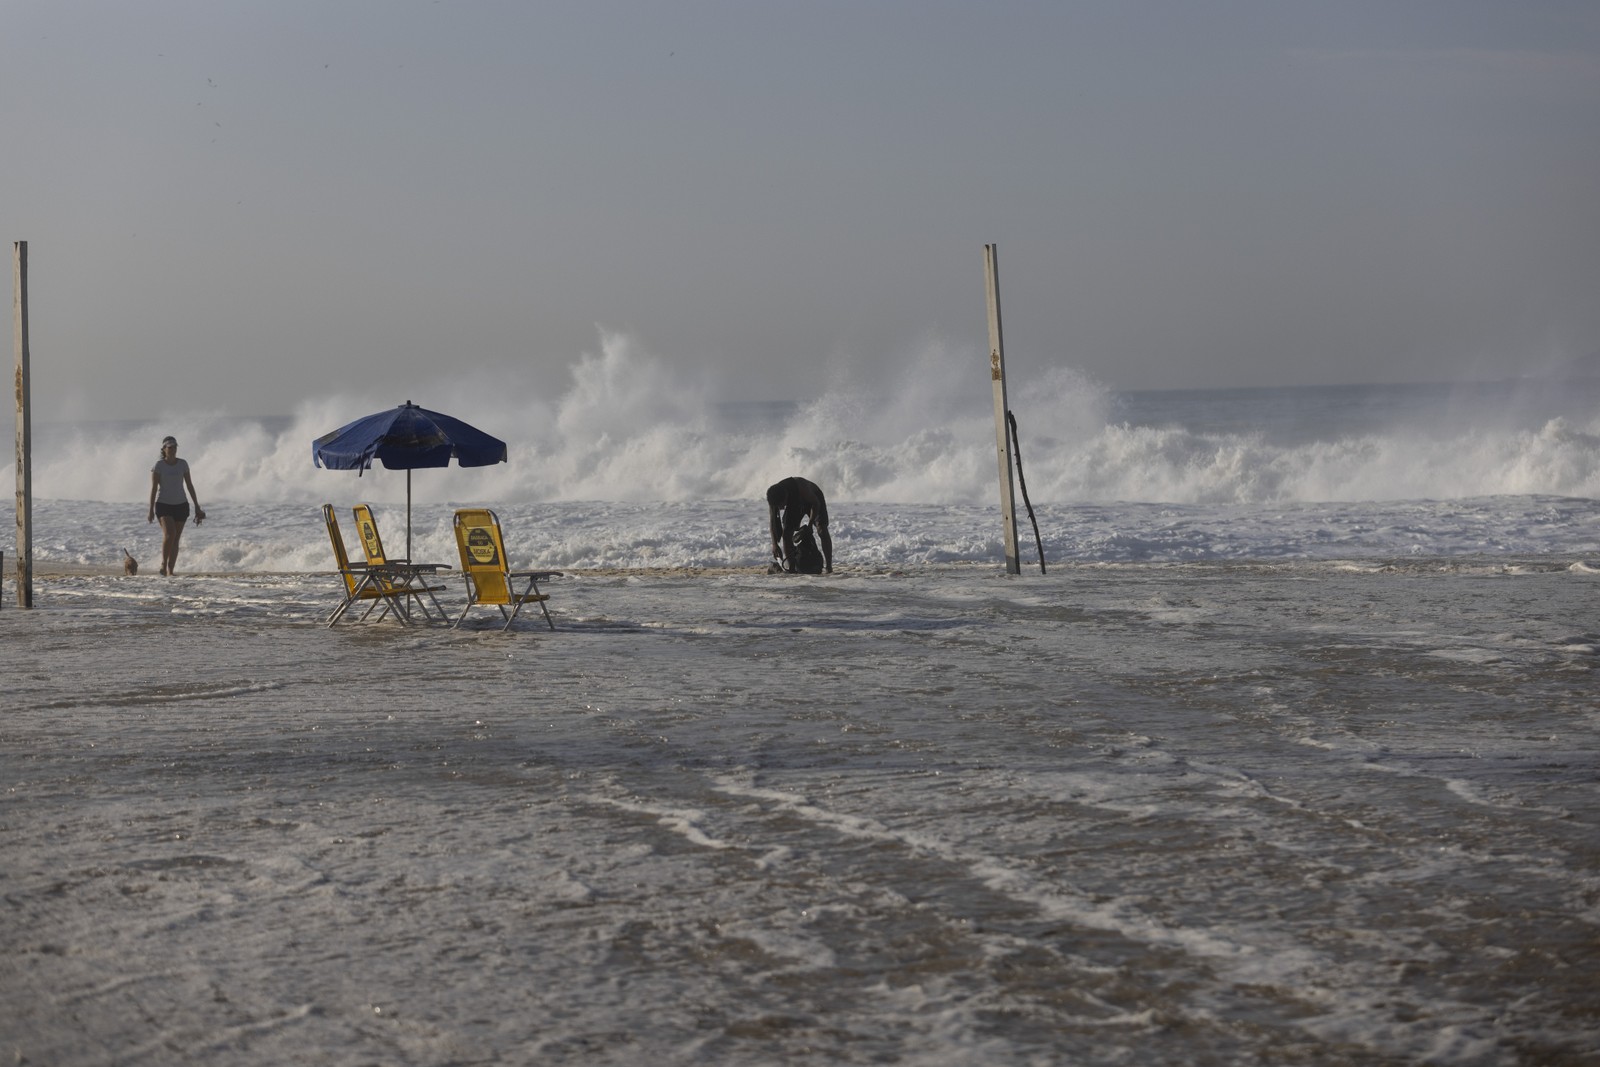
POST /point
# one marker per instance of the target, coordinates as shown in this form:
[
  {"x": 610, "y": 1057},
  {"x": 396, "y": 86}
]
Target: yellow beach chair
[
  {"x": 409, "y": 579},
  {"x": 359, "y": 583},
  {"x": 490, "y": 580}
]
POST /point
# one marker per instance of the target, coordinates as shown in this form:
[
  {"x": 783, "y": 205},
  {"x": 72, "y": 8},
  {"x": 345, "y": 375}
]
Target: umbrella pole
[{"x": 408, "y": 513}]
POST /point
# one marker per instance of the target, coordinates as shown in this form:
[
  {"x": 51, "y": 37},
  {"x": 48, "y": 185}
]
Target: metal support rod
[
  {"x": 1002, "y": 439},
  {"x": 19, "y": 336}
]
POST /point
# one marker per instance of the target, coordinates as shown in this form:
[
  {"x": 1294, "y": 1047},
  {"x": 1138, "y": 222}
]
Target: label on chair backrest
[{"x": 480, "y": 546}]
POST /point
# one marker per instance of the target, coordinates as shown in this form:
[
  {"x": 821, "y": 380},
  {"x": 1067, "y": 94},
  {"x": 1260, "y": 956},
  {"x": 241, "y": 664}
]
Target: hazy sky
[{"x": 233, "y": 206}]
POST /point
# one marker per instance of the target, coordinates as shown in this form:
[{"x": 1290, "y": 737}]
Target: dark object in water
[
  {"x": 807, "y": 556},
  {"x": 129, "y": 564}
]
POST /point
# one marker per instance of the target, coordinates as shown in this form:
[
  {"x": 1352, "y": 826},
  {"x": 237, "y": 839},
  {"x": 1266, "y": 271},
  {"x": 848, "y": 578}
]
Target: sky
[{"x": 233, "y": 206}]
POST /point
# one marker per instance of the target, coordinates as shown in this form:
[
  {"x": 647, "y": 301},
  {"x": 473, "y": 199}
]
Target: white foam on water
[
  {"x": 626, "y": 426},
  {"x": 627, "y": 464}
]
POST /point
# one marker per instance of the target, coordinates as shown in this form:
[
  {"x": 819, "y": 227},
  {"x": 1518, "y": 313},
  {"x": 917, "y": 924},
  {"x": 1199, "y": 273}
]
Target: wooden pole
[
  {"x": 19, "y": 336},
  {"x": 1002, "y": 440}
]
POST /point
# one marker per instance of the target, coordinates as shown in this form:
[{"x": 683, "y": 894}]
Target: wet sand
[{"x": 1170, "y": 814}]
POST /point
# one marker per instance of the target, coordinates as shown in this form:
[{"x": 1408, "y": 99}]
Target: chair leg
[
  {"x": 518, "y": 599},
  {"x": 472, "y": 598},
  {"x": 533, "y": 589},
  {"x": 338, "y": 612}
]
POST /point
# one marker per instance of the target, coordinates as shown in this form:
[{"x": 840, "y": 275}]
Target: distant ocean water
[{"x": 629, "y": 468}]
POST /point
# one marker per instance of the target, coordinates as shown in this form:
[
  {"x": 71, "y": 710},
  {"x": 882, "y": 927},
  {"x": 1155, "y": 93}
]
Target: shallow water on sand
[{"x": 1225, "y": 813}]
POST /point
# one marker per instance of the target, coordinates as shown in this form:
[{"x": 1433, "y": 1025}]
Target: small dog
[{"x": 129, "y": 564}]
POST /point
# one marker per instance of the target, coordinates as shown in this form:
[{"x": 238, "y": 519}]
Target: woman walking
[{"x": 168, "y": 479}]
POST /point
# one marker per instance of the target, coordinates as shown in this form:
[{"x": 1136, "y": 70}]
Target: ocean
[{"x": 1291, "y": 757}]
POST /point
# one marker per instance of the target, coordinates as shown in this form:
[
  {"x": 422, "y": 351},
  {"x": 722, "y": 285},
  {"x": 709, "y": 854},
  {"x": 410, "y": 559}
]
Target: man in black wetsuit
[{"x": 789, "y": 503}]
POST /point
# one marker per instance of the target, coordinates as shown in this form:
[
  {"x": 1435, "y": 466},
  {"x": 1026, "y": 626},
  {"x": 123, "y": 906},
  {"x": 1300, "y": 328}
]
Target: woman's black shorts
[{"x": 173, "y": 511}]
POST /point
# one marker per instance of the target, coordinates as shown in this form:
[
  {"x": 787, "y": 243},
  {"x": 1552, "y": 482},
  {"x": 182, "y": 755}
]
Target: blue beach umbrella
[{"x": 406, "y": 438}]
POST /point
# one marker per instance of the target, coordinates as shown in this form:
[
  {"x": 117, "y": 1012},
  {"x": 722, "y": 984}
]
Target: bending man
[{"x": 789, "y": 503}]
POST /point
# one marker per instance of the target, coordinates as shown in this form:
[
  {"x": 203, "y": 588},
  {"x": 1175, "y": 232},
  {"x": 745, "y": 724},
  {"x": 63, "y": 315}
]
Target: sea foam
[
  {"x": 628, "y": 463},
  {"x": 625, "y": 426}
]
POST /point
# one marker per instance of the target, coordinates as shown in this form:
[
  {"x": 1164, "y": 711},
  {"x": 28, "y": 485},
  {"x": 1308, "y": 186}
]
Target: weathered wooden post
[
  {"x": 997, "y": 375},
  {"x": 19, "y": 336}
]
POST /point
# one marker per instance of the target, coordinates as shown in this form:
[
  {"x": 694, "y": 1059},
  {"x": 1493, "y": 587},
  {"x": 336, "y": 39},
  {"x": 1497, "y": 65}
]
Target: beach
[
  {"x": 1318, "y": 813},
  {"x": 1290, "y": 757}
]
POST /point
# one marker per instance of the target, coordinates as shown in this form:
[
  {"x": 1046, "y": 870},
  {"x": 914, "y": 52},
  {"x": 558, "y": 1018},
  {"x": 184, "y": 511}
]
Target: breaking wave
[{"x": 627, "y": 427}]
